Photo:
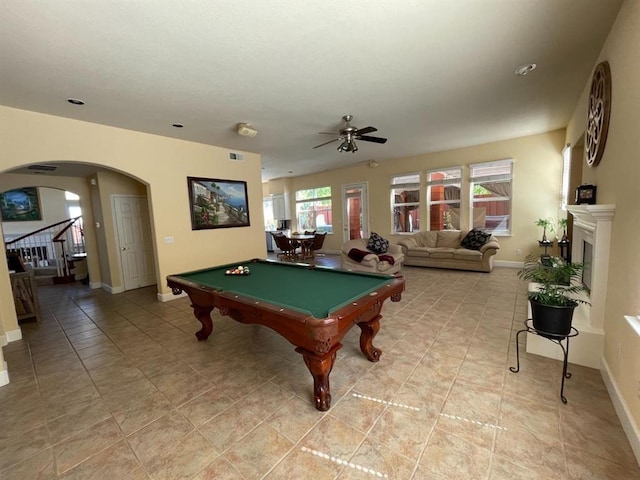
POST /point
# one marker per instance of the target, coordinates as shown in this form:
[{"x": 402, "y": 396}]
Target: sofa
[
  {"x": 443, "y": 249},
  {"x": 364, "y": 260}
]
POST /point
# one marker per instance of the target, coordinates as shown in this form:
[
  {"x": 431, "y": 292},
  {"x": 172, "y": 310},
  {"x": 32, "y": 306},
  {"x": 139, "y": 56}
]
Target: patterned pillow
[
  {"x": 475, "y": 239},
  {"x": 377, "y": 244}
]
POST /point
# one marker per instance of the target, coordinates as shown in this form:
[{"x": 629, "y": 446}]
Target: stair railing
[{"x": 53, "y": 245}]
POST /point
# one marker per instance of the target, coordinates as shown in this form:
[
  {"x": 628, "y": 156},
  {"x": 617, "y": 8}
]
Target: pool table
[{"x": 312, "y": 307}]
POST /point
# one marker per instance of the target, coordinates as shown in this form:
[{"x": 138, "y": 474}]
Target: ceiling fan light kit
[
  {"x": 349, "y": 134},
  {"x": 246, "y": 130}
]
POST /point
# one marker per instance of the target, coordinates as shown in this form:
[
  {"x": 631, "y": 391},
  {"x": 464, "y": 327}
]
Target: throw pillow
[
  {"x": 377, "y": 244},
  {"x": 475, "y": 239}
]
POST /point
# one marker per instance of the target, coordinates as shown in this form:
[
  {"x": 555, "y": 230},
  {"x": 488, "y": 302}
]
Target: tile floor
[{"x": 117, "y": 387}]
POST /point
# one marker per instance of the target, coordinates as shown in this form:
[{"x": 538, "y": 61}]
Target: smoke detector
[{"x": 246, "y": 130}]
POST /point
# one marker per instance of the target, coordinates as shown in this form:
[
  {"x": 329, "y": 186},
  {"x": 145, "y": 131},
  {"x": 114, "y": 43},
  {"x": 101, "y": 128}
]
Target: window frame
[
  {"x": 406, "y": 186},
  {"x": 493, "y": 177},
  {"x": 313, "y": 200},
  {"x": 451, "y": 181}
]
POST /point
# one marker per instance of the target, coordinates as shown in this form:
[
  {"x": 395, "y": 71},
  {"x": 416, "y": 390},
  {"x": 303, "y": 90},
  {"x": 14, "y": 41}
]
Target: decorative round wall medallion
[{"x": 598, "y": 114}]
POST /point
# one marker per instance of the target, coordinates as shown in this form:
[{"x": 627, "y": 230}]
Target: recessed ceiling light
[
  {"x": 75, "y": 101},
  {"x": 290, "y": 171},
  {"x": 177, "y": 125},
  {"x": 525, "y": 69}
]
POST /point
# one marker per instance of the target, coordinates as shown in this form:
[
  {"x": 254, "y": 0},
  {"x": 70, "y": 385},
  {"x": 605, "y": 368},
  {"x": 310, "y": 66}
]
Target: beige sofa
[
  {"x": 370, "y": 262},
  {"x": 442, "y": 249}
]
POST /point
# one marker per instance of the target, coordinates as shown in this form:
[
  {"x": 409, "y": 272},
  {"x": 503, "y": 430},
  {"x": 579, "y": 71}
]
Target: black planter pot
[{"x": 552, "y": 321}]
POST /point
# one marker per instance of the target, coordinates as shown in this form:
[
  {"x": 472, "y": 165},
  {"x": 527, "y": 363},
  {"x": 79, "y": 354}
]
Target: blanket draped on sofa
[{"x": 357, "y": 255}]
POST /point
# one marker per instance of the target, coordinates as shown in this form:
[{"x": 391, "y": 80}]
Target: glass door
[{"x": 355, "y": 211}]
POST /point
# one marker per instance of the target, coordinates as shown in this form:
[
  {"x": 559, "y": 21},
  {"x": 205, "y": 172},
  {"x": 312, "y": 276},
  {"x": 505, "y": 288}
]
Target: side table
[{"x": 555, "y": 338}]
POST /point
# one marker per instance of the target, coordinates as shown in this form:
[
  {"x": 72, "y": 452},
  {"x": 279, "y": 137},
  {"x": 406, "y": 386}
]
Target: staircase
[{"x": 52, "y": 251}]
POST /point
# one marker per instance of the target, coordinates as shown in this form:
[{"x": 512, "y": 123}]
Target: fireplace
[{"x": 590, "y": 245}]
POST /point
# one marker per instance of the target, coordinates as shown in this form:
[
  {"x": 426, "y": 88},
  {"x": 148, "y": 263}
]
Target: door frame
[
  {"x": 364, "y": 187},
  {"x": 115, "y": 196}
]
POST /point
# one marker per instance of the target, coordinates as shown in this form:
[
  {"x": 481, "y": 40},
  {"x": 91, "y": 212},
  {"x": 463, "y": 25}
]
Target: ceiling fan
[{"x": 348, "y": 134}]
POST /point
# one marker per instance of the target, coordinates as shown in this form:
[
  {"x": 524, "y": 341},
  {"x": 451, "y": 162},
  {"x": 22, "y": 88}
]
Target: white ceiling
[{"x": 431, "y": 75}]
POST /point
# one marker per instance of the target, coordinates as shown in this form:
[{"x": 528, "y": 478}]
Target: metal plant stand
[{"x": 555, "y": 338}]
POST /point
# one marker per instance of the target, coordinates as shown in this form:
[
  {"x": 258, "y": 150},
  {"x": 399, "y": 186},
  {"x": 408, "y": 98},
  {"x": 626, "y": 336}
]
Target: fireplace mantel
[{"x": 588, "y": 216}]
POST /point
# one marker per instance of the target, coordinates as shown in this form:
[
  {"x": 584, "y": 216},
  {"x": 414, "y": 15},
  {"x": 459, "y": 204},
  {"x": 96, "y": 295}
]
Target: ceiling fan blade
[
  {"x": 365, "y": 130},
  {"x": 326, "y": 143},
  {"x": 372, "y": 139}
]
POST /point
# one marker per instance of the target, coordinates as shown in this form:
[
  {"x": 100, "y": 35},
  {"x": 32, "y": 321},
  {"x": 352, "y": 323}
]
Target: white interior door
[
  {"x": 355, "y": 211},
  {"x": 134, "y": 241}
]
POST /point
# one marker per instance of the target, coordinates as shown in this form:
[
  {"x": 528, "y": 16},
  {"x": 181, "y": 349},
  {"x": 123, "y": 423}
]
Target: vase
[{"x": 552, "y": 321}]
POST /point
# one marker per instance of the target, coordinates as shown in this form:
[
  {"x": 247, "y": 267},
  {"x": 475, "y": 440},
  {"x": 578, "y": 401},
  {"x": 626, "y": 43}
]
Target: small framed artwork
[
  {"x": 216, "y": 203},
  {"x": 20, "y": 205},
  {"x": 586, "y": 194}
]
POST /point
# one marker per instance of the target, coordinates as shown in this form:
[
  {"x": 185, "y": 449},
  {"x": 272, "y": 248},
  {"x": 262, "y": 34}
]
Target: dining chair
[
  {"x": 286, "y": 245},
  {"x": 318, "y": 241}
]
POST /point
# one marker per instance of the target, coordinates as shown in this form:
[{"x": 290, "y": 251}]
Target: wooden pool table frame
[{"x": 316, "y": 339}]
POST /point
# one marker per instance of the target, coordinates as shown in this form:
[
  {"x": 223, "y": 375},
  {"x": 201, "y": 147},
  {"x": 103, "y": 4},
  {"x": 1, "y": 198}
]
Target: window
[
  {"x": 313, "y": 209},
  {"x": 72, "y": 204},
  {"x": 491, "y": 196},
  {"x": 267, "y": 208},
  {"x": 443, "y": 198},
  {"x": 405, "y": 203}
]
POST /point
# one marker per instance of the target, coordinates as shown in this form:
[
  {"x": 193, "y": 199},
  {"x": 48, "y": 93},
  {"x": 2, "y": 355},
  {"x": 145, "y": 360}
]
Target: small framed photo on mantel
[{"x": 586, "y": 194}]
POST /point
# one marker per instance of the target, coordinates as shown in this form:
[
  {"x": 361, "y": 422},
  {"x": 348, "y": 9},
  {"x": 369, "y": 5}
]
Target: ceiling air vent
[
  {"x": 42, "y": 168},
  {"x": 236, "y": 156}
]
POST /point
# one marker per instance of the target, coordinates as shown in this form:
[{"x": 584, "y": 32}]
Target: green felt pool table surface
[{"x": 317, "y": 291}]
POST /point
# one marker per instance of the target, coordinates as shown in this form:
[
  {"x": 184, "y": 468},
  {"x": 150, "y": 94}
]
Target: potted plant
[
  {"x": 546, "y": 224},
  {"x": 562, "y": 225},
  {"x": 558, "y": 287}
]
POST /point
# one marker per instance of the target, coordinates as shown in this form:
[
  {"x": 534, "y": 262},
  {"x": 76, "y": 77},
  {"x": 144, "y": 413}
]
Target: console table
[
  {"x": 528, "y": 324},
  {"x": 25, "y": 295}
]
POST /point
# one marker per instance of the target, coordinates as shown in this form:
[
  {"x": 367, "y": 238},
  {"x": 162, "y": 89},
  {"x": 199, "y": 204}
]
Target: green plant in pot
[
  {"x": 559, "y": 287},
  {"x": 562, "y": 225},
  {"x": 546, "y": 224}
]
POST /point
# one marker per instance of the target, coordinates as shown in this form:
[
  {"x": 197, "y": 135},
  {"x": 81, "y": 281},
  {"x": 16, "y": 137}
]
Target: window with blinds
[
  {"x": 443, "y": 198},
  {"x": 405, "y": 203},
  {"x": 491, "y": 193}
]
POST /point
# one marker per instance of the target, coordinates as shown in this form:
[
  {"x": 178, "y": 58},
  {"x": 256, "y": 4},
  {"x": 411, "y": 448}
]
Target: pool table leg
[
  {"x": 320, "y": 368},
  {"x": 203, "y": 314},
  {"x": 369, "y": 331}
]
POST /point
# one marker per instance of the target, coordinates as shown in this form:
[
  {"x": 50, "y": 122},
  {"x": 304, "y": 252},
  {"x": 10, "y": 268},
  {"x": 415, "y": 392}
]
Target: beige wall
[
  {"x": 617, "y": 178},
  {"x": 536, "y": 186},
  {"x": 161, "y": 163}
]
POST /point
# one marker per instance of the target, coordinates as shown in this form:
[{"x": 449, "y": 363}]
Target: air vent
[
  {"x": 238, "y": 157},
  {"x": 43, "y": 168}
]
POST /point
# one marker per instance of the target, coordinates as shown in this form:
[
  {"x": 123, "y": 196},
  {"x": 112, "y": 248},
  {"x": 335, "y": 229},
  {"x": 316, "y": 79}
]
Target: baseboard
[
  {"x": 13, "y": 335},
  {"x": 4, "y": 375},
  {"x": 167, "y": 297},
  {"x": 624, "y": 415},
  {"x": 111, "y": 289},
  {"x": 508, "y": 264},
  {"x": 95, "y": 285}
]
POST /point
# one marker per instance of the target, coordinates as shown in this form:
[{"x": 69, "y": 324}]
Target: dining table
[{"x": 306, "y": 242}]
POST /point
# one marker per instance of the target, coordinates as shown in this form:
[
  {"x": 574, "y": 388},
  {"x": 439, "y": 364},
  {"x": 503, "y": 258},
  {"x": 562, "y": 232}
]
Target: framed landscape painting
[
  {"x": 216, "y": 203},
  {"x": 20, "y": 205}
]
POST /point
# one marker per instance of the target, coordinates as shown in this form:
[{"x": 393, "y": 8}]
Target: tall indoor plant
[
  {"x": 546, "y": 224},
  {"x": 558, "y": 289}
]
